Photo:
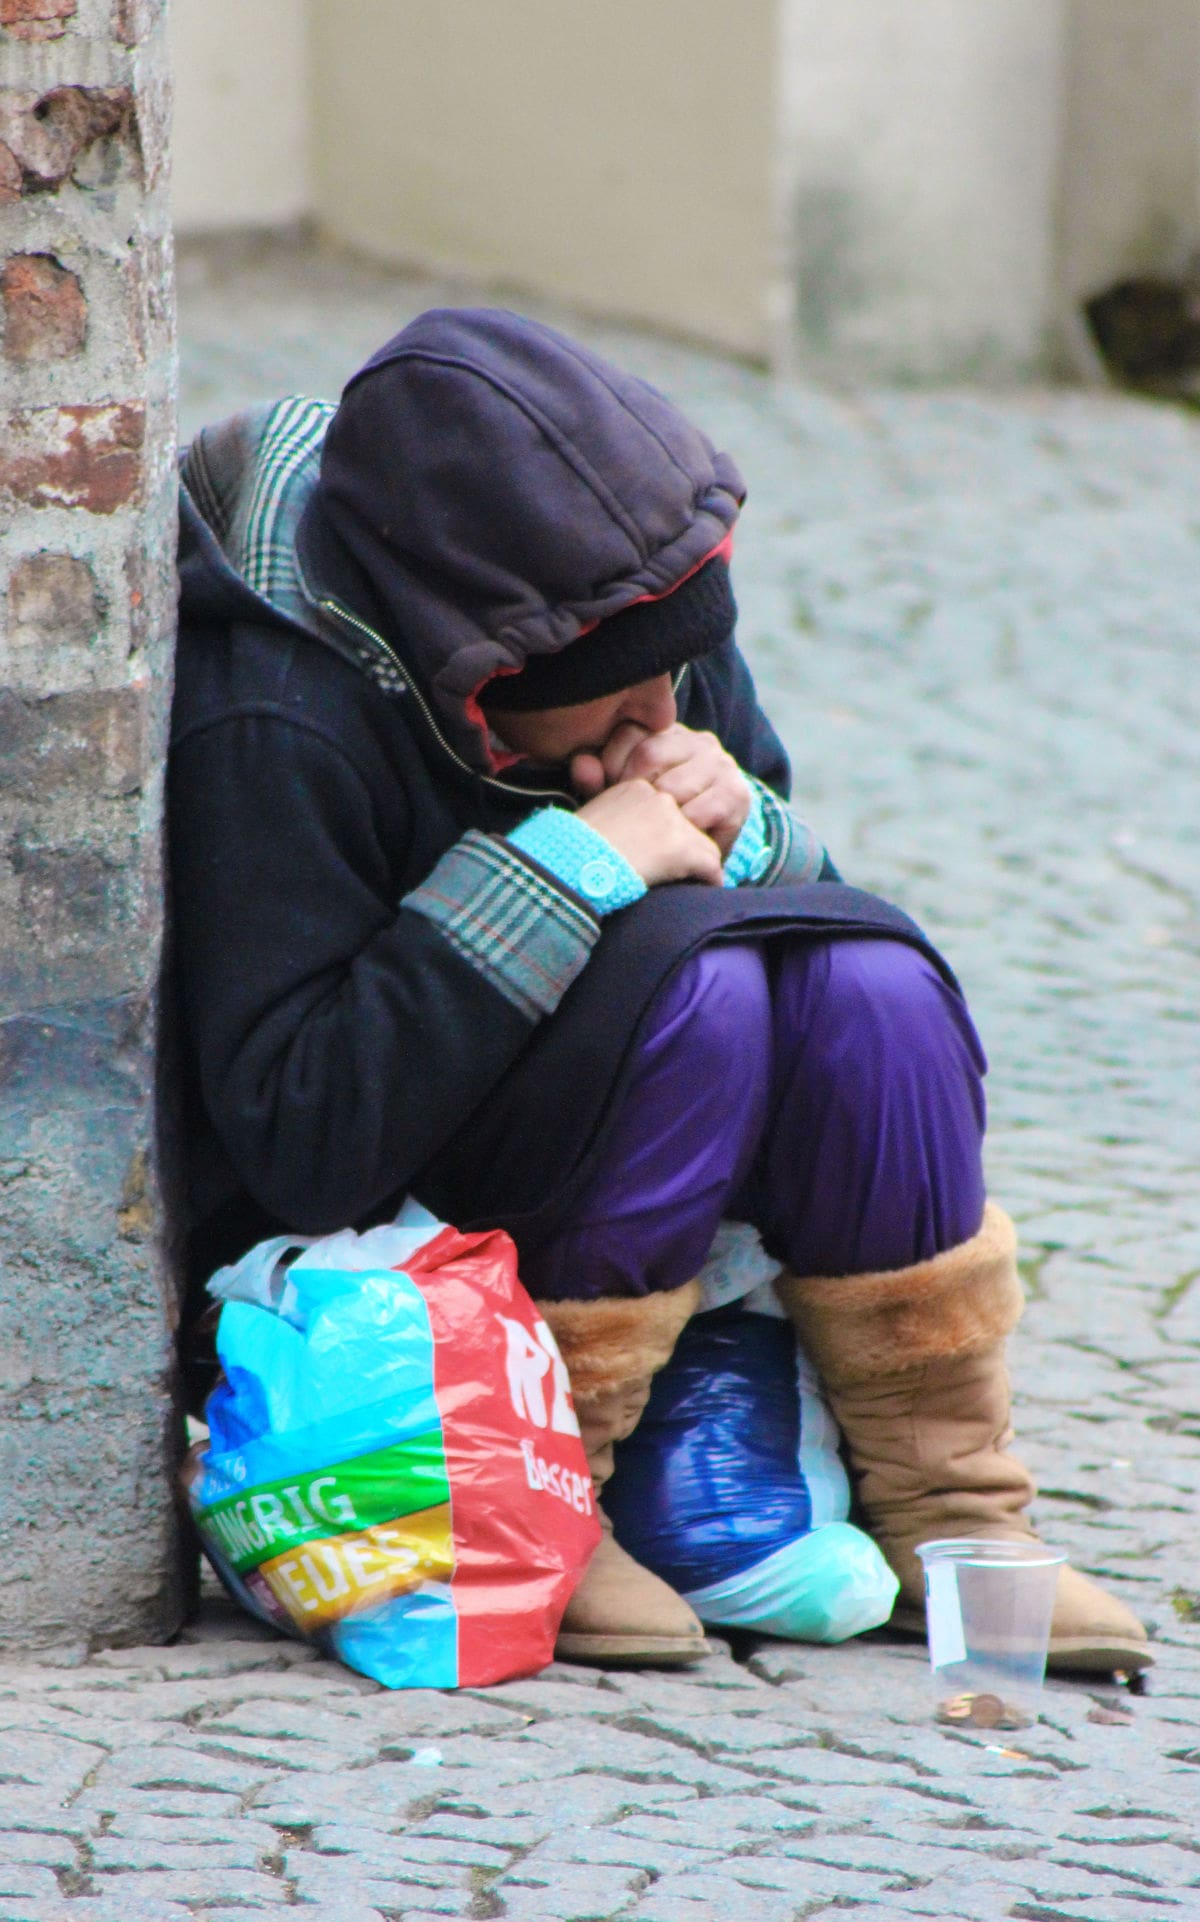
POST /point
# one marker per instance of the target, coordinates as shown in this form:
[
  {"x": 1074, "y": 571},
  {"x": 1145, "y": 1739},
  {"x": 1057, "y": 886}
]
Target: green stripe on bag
[{"x": 261, "y": 1522}]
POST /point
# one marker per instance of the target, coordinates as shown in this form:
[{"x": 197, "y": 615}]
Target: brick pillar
[{"x": 88, "y": 1422}]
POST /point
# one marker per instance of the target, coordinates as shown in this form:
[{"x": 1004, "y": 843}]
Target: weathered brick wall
[{"x": 88, "y": 1426}]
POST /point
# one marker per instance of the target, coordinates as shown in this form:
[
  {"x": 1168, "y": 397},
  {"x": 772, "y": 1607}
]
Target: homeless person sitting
[{"x": 487, "y": 889}]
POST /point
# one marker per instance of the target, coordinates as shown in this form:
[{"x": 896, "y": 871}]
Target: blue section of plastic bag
[
  {"x": 358, "y": 1350},
  {"x": 708, "y": 1483},
  {"x": 821, "y": 1587},
  {"x": 412, "y": 1642},
  {"x": 731, "y": 1488},
  {"x": 323, "y": 1365}
]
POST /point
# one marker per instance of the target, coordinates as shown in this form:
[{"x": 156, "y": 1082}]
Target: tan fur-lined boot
[
  {"x": 913, "y": 1364},
  {"x": 620, "y": 1614}
]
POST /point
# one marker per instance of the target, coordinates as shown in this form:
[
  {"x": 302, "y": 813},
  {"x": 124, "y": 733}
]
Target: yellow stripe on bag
[{"x": 325, "y": 1580}]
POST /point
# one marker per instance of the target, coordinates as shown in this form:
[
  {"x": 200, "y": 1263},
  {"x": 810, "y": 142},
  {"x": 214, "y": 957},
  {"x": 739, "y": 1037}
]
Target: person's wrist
[{"x": 581, "y": 857}]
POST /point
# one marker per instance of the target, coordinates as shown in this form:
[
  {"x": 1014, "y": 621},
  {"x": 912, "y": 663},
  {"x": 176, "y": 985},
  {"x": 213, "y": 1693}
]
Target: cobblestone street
[{"x": 975, "y": 618}]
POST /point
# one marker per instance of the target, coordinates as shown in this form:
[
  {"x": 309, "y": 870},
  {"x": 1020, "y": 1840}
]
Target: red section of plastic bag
[{"x": 522, "y": 1508}]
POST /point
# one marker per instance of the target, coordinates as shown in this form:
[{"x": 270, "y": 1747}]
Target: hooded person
[{"x": 487, "y": 889}]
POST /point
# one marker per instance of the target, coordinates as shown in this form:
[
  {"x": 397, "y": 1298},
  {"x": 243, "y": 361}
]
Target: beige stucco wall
[
  {"x": 613, "y": 153},
  {"x": 913, "y": 188},
  {"x": 920, "y": 155},
  {"x": 1131, "y": 148},
  {"x": 241, "y": 113}
]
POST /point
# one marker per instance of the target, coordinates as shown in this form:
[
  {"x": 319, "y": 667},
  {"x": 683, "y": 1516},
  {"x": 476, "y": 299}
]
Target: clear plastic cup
[{"x": 988, "y": 1607}]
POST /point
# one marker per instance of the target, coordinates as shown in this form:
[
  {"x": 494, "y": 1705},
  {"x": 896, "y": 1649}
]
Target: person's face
[{"x": 551, "y": 735}]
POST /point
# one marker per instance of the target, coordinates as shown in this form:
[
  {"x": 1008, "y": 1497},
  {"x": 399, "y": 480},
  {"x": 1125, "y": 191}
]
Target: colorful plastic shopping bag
[{"x": 394, "y": 1469}]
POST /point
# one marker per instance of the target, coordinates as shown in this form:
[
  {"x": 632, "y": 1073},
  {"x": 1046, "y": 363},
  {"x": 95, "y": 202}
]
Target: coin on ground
[{"x": 956, "y": 1708}]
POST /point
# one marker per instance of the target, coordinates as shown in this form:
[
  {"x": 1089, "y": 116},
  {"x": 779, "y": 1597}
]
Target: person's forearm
[{"x": 340, "y": 1039}]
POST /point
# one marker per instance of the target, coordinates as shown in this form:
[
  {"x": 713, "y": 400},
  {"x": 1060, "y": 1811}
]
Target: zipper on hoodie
[
  {"x": 371, "y": 634},
  {"x": 408, "y": 685}
]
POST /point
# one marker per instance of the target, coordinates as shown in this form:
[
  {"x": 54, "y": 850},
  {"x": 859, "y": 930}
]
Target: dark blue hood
[{"x": 489, "y": 490}]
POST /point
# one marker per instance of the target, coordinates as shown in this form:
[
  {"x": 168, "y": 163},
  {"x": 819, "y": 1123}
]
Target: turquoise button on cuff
[{"x": 598, "y": 879}]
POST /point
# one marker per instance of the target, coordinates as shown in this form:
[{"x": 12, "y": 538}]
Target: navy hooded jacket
[{"x": 379, "y": 995}]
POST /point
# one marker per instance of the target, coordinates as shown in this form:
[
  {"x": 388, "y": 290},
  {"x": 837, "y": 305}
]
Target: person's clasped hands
[{"x": 672, "y": 802}]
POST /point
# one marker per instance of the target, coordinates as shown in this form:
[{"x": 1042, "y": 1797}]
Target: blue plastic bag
[{"x": 732, "y": 1488}]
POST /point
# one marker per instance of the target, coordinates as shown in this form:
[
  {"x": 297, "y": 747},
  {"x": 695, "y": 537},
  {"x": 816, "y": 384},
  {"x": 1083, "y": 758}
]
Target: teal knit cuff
[
  {"x": 750, "y": 856},
  {"x": 774, "y": 846},
  {"x": 580, "y": 858}
]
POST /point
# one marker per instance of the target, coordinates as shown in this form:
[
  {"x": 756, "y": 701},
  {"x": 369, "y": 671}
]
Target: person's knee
[
  {"x": 890, "y": 996},
  {"x": 881, "y": 1112},
  {"x": 717, "y": 1006}
]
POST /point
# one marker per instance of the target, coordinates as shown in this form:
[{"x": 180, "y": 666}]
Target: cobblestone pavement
[{"x": 975, "y": 615}]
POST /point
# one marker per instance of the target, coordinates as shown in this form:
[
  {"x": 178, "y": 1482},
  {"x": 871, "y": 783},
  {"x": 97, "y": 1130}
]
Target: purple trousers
[{"x": 829, "y": 1093}]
